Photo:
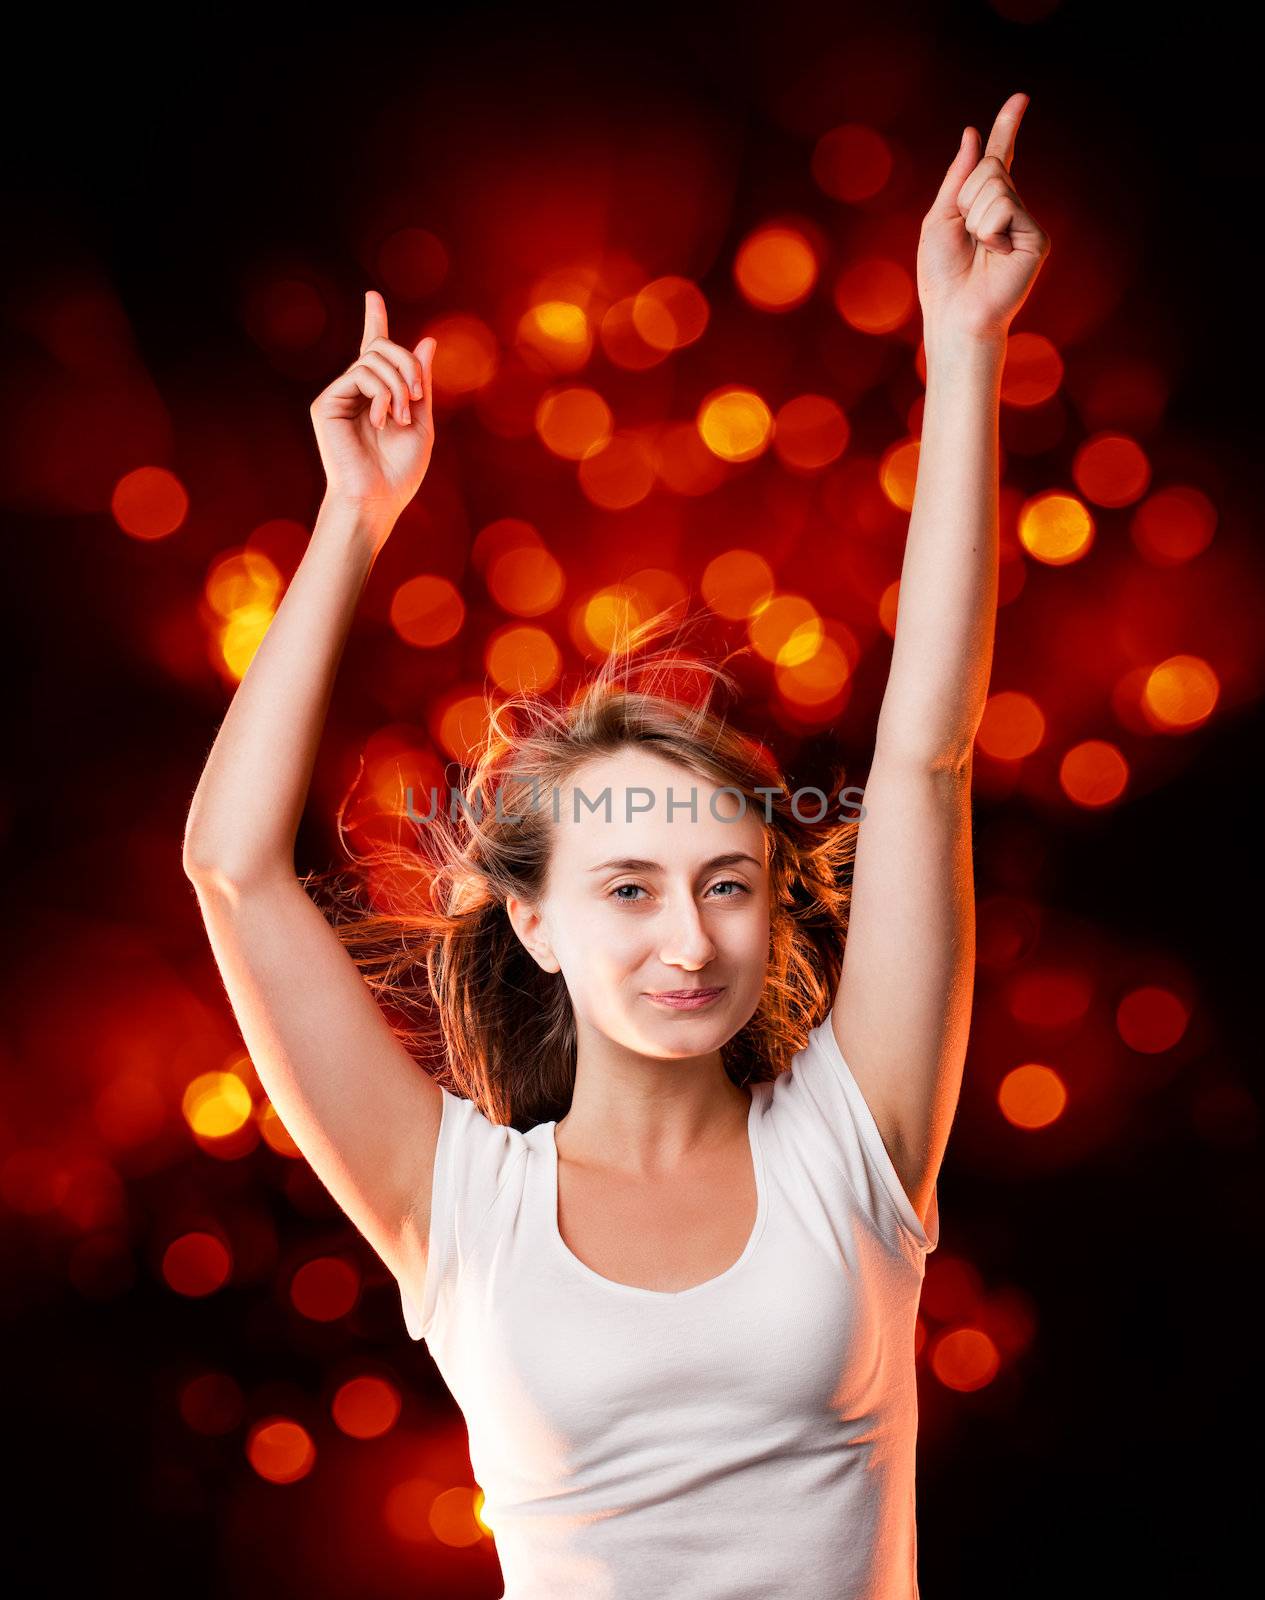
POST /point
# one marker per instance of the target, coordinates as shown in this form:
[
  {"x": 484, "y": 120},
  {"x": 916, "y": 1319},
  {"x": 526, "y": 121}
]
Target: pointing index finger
[
  {"x": 375, "y": 319},
  {"x": 1001, "y": 141}
]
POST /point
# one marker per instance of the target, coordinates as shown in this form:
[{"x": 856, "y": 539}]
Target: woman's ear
[{"x": 528, "y": 923}]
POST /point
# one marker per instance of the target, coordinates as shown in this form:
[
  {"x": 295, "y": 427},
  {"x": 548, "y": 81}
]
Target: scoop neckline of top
[{"x": 562, "y": 1247}]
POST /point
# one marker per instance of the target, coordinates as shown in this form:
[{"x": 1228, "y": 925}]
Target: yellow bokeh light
[
  {"x": 735, "y": 424},
  {"x": 1180, "y": 693},
  {"x": 736, "y": 583},
  {"x": 427, "y": 610},
  {"x": 216, "y": 1104},
  {"x": 242, "y": 635},
  {"x": 670, "y": 313},
  {"x": 526, "y": 581},
  {"x": 574, "y": 422},
  {"x": 521, "y": 658},
  {"x": 816, "y": 681},
  {"x": 242, "y": 578},
  {"x": 776, "y": 268},
  {"x": 786, "y": 630},
  {"x": 1055, "y": 528},
  {"x": 558, "y": 332},
  {"x": 622, "y": 474},
  {"x": 608, "y": 613},
  {"x": 898, "y": 473}
]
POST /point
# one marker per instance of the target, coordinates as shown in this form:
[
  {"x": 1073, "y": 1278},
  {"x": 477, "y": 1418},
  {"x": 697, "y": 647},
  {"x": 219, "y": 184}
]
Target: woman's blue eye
[{"x": 725, "y": 883}]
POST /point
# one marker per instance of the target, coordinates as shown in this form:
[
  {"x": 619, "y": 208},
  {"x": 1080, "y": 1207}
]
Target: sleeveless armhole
[
  {"x": 473, "y": 1158},
  {"x": 837, "y": 1098}
]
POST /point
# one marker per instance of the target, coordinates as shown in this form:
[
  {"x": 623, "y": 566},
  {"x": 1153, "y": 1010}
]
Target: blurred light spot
[
  {"x": 620, "y": 475},
  {"x": 149, "y": 503},
  {"x": 1180, "y": 693},
  {"x": 683, "y": 463},
  {"x": 324, "y": 1289},
  {"x": 735, "y": 424},
  {"x": 875, "y": 296},
  {"x": 1049, "y": 997},
  {"x": 461, "y": 729},
  {"x": 282, "y": 541},
  {"x": 33, "y": 1181},
  {"x": 1111, "y": 470},
  {"x": 1032, "y": 372},
  {"x": 452, "y": 1518},
  {"x": 1032, "y": 1096},
  {"x": 851, "y": 162},
  {"x": 558, "y": 333},
  {"x": 499, "y": 537},
  {"x": 656, "y": 589},
  {"x": 280, "y": 1451},
  {"x": 366, "y": 1407},
  {"x": 889, "y": 608},
  {"x": 216, "y": 1104},
  {"x": 526, "y": 580},
  {"x": 786, "y": 629},
  {"x": 1093, "y": 773},
  {"x": 241, "y": 636},
  {"x": 606, "y": 614},
  {"x": 573, "y": 423},
  {"x": 196, "y": 1264},
  {"x": 951, "y": 1290},
  {"x": 241, "y": 580},
  {"x": 670, "y": 313},
  {"x": 274, "y": 1132},
  {"x": 211, "y": 1404},
  {"x": 816, "y": 681},
  {"x": 775, "y": 268},
  {"x": 810, "y": 432},
  {"x": 965, "y": 1359},
  {"x": 1006, "y": 929},
  {"x": 466, "y": 355},
  {"x": 284, "y": 314},
  {"x": 129, "y": 1110},
  {"x": 407, "y": 1509},
  {"x": 427, "y": 610},
  {"x": 412, "y": 263},
  {"x": 736, "y": 583},
  {"x": 898, "y": 473},
  {"x": 623, "y": 344},
  {"x": 1055, "y": 528},
  {"x": 1012, "y": 726},
  {"x": 1174, "y": 525},
  {"x": 523, "y": 659},
  {"x": 1151, "y": 1020}
]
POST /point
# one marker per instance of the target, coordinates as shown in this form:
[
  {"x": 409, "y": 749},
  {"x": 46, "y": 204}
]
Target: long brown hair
[{"x": 439, "y": 952}]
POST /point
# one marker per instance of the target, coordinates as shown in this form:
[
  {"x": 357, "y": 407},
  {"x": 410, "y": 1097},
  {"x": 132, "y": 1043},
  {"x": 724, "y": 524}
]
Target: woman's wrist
[
  {"x": 954, "y": 347},
  {"x": 366, "y": 521}
]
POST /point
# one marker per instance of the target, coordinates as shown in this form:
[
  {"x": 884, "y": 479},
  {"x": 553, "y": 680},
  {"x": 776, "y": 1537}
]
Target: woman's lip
[{"x": 687, "y": 999}]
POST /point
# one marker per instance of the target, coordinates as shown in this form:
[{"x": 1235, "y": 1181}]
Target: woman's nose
[{"x": 686, "y": 941}]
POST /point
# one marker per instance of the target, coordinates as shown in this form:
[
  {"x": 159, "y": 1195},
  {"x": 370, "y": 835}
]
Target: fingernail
[
  {"x": 417, "y": 391},
  {"x": 405, "y": 418}
]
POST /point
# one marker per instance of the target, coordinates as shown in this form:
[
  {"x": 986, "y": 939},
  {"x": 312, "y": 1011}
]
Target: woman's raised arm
[{"x": 363, "y": 1113}]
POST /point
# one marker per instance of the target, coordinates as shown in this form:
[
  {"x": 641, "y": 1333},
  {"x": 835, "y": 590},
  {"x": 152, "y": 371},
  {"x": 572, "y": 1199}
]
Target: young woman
[{"x": 664, "y": 1225}]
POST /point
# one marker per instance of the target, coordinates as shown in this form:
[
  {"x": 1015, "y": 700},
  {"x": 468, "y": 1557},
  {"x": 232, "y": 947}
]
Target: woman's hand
[
  {"x": 979, "y": 251},
  {"x": 373, "y": 424}
]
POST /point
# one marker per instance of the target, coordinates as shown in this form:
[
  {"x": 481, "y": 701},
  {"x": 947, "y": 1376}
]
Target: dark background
[{"x": 174, "y": 156}]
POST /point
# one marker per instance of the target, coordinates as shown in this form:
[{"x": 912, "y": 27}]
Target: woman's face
[{"x": 645, "y": 897}]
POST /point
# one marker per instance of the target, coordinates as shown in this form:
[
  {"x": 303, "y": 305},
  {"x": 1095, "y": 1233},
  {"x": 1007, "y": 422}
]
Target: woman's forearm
[
  {"x": 942, "y": 653},
  {"x": 245, "y": 813}
]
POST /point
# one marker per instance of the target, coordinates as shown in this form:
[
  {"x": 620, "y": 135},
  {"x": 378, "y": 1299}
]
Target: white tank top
[{"x": 752, "y": 1436}]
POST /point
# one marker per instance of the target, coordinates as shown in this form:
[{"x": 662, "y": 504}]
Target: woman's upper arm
[
  {"x": 901, "y": 1014},
  {"x": 364, "y": 1114}
]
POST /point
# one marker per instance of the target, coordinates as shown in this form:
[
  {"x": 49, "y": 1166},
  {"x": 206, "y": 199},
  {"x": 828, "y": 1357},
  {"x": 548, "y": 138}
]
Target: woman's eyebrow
[{"x": 636, "y": 864}]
